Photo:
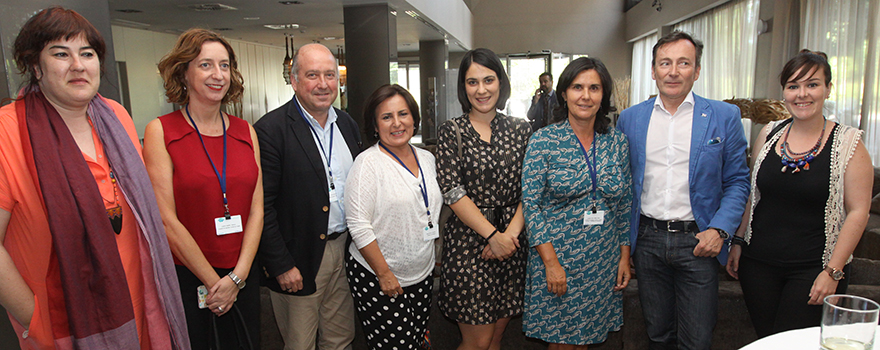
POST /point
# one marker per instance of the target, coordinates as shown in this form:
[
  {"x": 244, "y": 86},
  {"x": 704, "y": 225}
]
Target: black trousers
[
  {"x": 390, "y": 323},
  {"x": 776, "y": 296},
  {"x": 198, "y": 321}
]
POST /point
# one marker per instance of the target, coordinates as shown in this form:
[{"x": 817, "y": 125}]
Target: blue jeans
[{"x": 678, "y": 291}]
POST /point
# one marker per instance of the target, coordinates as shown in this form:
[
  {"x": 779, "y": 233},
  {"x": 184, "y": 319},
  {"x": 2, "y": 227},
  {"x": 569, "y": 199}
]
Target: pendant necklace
[
  {"x": 115, "y": 213},
  {"x": 797, "y": 161}
]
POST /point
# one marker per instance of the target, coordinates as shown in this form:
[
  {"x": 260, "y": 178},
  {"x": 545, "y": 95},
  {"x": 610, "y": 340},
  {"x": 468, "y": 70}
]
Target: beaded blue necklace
[{"x": 797, "y": 161}]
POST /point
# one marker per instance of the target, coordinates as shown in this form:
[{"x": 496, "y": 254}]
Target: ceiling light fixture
[
  {"x": 282, "y": 26},
  {"x": 209, "y": 7},
  {"x": 127, "y": 23},
  {"x": 288, "y": 60},
  {"x": 251, "y": 18}
]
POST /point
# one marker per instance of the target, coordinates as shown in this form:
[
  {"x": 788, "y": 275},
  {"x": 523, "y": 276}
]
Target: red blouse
[{"x": 197, "y": 195}]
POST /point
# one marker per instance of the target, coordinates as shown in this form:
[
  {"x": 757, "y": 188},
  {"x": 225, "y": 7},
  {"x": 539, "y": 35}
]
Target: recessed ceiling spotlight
[
  {"x": 281, "y": 26},
  {"x": 127, "y": 23},
  {"x": 394, "y": 13},
  {"x": 209, "y": 7},
  {"x": 129, "y": 11},
  {"x": 329, "y": 38},
  {"x": 251, "y": 18}
]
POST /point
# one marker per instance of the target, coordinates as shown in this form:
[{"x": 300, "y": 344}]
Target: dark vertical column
[
  {"x": 13, "y": 14},
  {"x": 433, "y": 59},
  {"x": 370, "y": 47}
]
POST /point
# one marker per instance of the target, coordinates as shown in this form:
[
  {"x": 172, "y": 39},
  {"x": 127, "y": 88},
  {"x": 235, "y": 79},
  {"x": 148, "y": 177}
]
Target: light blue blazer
[{"x": 718, "y": 172}]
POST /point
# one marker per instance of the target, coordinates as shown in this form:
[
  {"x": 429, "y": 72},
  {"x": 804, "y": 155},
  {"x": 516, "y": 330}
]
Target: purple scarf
[{"x": 85, "y": 259}]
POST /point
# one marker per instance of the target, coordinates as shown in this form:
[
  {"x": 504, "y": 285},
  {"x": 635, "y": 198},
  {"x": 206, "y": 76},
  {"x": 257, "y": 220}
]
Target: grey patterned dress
[
  {"x": 474, "y": 290},
  {"x": 556, "y": 192}
]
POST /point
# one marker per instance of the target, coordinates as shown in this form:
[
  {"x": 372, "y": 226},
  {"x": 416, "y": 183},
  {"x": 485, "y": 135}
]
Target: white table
[{"x": 807, "y": 338}]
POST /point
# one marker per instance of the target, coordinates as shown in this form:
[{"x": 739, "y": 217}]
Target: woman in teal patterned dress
[{"x": 577, "y": 198}]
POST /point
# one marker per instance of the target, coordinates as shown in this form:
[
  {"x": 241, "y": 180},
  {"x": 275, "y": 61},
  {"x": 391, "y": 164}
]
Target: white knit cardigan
[{"x": 844, "y": 145}]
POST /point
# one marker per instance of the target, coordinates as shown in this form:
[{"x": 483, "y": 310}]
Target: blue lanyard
[
  {"x": 222, "y": 178},
  {"x": 423, "y": 187},
  {"x": 327, "y": 155},
  {"x": 591, "y": 166}
]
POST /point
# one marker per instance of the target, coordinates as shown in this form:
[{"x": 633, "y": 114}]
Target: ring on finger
[{"x": 220, "y": 308}]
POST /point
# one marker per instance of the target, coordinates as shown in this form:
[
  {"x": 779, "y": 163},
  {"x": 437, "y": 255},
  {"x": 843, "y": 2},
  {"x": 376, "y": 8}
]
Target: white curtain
[
  {"x": 729, "y": 33},
  {"x": 871, "y": 101},
  {"x": 642, "y": 85},
  {"x": 849, "y": 32},
  {"x": 730, "y": 37},
  {"x": 840, "y": 29}
]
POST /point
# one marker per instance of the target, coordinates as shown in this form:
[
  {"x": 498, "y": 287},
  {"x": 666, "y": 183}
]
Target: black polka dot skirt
[{"x": 399, "y": 323}]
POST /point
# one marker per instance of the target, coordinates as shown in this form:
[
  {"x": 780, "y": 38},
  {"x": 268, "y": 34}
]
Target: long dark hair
[{"x": 568, "y": 75}]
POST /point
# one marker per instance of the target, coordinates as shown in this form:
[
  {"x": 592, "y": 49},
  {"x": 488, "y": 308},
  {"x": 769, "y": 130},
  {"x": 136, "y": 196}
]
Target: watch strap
[{"x": 235, "y": 279}]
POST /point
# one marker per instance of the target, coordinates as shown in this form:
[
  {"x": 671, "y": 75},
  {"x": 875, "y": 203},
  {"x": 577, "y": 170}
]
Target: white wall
[
  {"x": 141, "y": 50},
  {"x": 595, "y": 27}
]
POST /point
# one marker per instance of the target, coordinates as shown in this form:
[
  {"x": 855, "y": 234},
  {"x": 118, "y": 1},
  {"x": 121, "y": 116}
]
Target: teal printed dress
[{"x": 556, "y": 193}]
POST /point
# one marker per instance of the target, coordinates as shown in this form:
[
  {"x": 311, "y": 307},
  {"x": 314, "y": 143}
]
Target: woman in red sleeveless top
[{"x": 205, "y": 169}]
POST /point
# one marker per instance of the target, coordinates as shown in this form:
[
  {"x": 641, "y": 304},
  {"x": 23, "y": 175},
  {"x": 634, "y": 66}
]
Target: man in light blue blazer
[{"x": 690, "y": 185}]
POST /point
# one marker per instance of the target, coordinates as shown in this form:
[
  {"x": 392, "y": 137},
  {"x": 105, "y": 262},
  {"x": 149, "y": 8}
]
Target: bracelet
[
  {"x": 492, "y": 235},
  {"x": 738, "y": 240}
]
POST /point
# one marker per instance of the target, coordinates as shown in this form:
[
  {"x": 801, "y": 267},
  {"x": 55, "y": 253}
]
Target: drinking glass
[{"x": 848, "y": 322}]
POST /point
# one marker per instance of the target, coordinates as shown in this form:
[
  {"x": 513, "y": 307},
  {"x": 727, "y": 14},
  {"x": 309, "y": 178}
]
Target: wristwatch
[
  {"x": 724, "y": 235},
  {"x": 238, "y": 282},
  {"x": 835, "y": 274}
]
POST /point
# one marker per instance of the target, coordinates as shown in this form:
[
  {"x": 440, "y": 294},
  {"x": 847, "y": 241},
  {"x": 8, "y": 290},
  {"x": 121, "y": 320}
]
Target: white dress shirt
[
  {"x": 384, "y": 203},
  {"x": 340, "y": 163},
  {"x": 665, "y": 191}
]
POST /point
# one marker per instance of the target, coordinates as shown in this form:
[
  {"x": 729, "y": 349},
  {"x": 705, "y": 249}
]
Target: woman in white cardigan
[
  {"x": 392, "y": 204},
  {"x": 811, "y": 192}
]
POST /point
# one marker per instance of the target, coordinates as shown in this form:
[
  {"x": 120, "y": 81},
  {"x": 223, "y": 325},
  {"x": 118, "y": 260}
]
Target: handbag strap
[
  {"x": 457, "y": 137},
  {"x": 778, "y": 127},
  {"x": 241, "y": 328}
]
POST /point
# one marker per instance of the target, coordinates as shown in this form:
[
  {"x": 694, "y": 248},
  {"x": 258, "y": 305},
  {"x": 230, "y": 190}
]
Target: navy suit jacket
[
  {"x": 296, "y": 198},
  {"x": 718, "y": 173}
]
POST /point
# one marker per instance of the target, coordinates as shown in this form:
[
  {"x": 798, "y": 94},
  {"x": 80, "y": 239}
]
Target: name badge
[
  {"x": 431, "y": 232},
  {"x": 226, "y": 226},
  {"x": 591, "y": 218},
  {"x": 333, "y": 197}
]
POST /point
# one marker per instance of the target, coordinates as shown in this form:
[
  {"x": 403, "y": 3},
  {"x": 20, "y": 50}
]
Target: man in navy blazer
[
  {"x": 306, "y": 150},
  {"x": 690, "y": 185}
]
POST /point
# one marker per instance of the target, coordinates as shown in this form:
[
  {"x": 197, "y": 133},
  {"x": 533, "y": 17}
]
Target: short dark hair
[
  {"x": 50, "y": 24},
  {"x": 174, "y": 65},
  {"x": 568, "y": 75},
  {"x": 547, "y": 74},
  {"x": 676, "y": 36},
  {"x": 382, "y": 94},
  {"x": 488, "y": 59},
  {"x": 805, "y": 61}
]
